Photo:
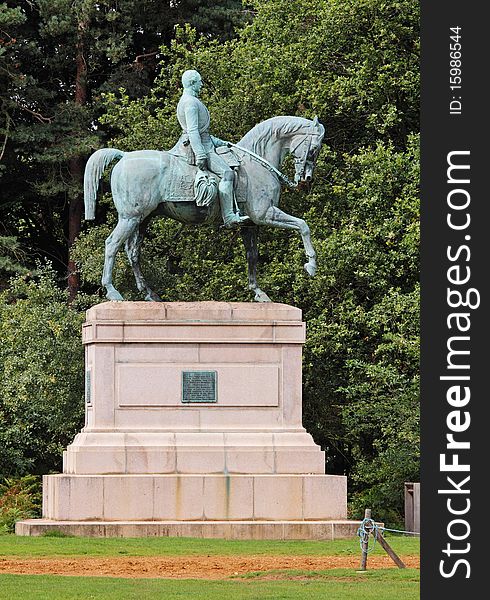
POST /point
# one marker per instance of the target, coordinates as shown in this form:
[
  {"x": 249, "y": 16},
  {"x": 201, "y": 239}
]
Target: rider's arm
[{"x": 192, "y": 123}]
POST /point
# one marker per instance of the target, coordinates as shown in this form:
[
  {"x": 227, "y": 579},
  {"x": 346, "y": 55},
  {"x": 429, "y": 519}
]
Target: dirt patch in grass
[{"x": 193, "y": 567}]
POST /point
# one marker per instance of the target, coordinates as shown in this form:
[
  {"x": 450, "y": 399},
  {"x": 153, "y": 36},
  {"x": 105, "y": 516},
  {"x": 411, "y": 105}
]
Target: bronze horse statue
[{"x": 146, "y": 183}]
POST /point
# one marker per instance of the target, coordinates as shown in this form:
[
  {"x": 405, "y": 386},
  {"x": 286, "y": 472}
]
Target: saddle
[{"x": 190, "y": 184}]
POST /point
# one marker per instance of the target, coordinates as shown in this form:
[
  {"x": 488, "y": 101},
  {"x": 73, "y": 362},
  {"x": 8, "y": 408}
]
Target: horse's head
[{"x": 305, "y": 148}]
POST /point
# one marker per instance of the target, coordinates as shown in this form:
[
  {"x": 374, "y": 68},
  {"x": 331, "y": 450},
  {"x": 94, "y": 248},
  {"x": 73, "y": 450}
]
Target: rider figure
[{"x": 194, "y": 119}]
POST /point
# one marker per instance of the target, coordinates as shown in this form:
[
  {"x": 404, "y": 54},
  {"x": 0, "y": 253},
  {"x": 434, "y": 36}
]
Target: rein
[
  {"x": 265, "y": 163},
  {"x": 301, "y": 160}
]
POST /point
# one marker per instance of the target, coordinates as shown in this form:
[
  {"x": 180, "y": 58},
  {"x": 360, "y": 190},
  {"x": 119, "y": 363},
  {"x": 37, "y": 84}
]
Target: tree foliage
[
  {"x": 20, "y": 498},
  {"x": 11, "y": 257},
  {"x": 41, "y": 374}
]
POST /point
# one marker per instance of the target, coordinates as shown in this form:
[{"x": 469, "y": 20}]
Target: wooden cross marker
[{"x": 380, "y": 538}]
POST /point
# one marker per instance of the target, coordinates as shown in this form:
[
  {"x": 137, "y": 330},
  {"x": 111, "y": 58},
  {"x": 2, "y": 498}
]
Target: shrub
[
  {"x": 20, "y": 498},
  {"x": 41, "y": 374}
]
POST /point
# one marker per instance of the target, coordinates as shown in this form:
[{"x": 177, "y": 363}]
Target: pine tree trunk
[{"x": 77, "y": 165}]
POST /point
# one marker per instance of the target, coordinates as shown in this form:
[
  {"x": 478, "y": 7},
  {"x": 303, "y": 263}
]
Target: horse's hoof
[
  {"x": 310, "y": 269},
  {"x": 114, "y": 296},
  {"x": 152, "y": 297},
  {"x": 262, "y": 297}
]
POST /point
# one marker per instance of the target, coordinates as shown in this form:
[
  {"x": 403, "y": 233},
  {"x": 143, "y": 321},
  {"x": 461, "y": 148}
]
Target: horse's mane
[{"x": 255, "y": 138}]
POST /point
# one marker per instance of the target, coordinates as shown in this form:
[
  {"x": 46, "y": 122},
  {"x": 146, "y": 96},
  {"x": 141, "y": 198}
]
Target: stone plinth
[
  {"x": 194, "y": 497},
  {"x": 231, "y": 530},
  {"x": 193, "y": 415}
]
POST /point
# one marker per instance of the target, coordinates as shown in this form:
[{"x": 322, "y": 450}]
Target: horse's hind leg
[
  {"x": 133, "y": 250},
  {"x": 278, "y": 218},
  {"x": 249, "y": 236},
  {"x": 122, "y": 231}
]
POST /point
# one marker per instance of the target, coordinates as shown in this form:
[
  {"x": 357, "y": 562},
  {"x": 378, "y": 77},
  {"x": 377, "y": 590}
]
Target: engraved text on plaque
[{"x": 199, "y": 386}]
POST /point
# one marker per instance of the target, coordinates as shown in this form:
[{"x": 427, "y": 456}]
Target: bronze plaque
[
  {"x": 88, "y": 387},
  {"x": 199, "y": 386}
]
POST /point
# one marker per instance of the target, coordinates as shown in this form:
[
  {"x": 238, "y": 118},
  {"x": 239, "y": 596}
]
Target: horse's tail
[{"x": 93, "y": 172}]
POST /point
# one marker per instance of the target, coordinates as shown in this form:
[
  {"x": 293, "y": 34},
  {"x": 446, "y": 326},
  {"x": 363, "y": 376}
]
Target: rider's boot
[{"x": 230, "y": 217}]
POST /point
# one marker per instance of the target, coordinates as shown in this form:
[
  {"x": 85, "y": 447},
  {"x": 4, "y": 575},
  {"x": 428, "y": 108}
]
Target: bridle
[{"x": 301, "y": 161}]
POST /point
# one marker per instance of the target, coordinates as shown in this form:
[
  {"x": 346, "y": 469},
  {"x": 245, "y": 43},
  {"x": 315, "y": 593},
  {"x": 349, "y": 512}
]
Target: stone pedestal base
[
  {"x": 194, "y": 497},
  {"x": 230, "y": 452},
  {"x": 194, "y": 416},
  {"x": 230, "y": 530}
]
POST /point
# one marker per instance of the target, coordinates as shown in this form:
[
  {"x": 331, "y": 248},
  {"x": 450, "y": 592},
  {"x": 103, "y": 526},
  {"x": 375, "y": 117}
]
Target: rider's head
[{"x": 192, "y": 80}]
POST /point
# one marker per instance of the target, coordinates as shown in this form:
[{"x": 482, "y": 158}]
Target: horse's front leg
[
  {"x": 249, "y": 236},
  {"x": 278, "y": 218}
]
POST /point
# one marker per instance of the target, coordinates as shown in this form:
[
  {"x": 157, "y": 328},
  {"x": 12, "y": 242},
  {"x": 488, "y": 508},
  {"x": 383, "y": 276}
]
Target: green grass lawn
[
  {"x": 375, "y": 585},
  {"x": 336, "y": 584},
  {"x": 11, "y": 545}
]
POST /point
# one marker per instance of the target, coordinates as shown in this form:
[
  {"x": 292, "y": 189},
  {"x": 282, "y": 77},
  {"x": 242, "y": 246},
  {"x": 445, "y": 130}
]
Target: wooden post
[
  {"x": 365, "y": 543},
  {"x": 389, "y": 550},
  {"x": 409, "y": 506},
  {"x": 416, "y": 508}
]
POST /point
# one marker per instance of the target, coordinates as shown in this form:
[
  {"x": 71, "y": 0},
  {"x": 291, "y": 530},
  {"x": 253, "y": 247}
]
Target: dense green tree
[
  {"x": 41, "y": 374},
  {"x": 11, "y": 258}
]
